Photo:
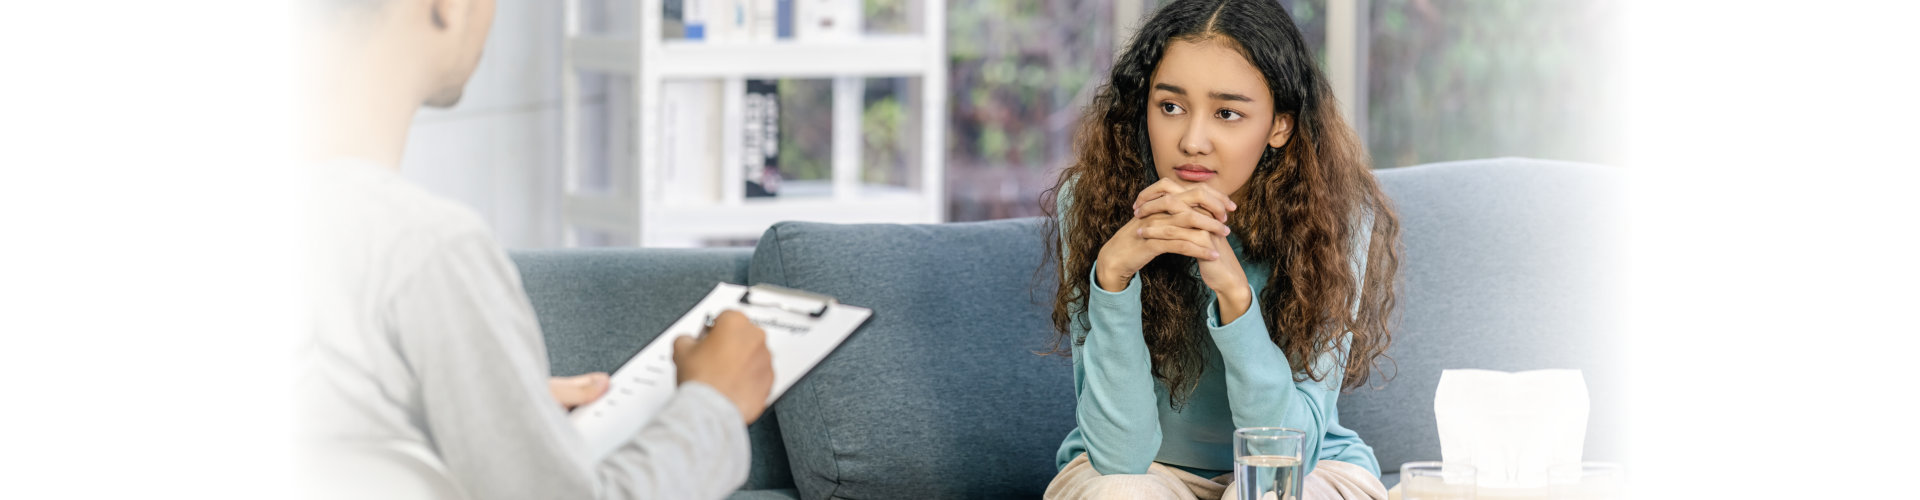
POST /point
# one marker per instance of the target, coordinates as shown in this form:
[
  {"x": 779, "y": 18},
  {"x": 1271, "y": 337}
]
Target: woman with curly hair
[{"x": 1228, "y": 258}]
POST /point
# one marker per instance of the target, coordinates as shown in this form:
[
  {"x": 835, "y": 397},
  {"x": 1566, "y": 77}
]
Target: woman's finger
[
  {"x": 1203, "y": 222},
  {"x": 1192, "y": 220},
  {"x": 1175, "y": 204},
  {"x": 1163, "y": 232},
  {"x": 1162, "y": 205},
  {"x": 1182, "y": 247},
  {"x": 1156, "y": 191},
  {"x": 1216, "y": 194},
  {"x": 1206, "y": 198},
  {"x": 1207, "y": 201}
]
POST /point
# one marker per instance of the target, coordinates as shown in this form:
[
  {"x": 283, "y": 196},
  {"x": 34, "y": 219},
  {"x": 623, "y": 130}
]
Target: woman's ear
[{"x": 1282, "y": 129}]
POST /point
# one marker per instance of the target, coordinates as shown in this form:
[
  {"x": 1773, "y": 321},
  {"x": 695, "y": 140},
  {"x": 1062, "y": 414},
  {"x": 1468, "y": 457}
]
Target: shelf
[
  {"x": 637, "y": 208},
  {"x": 879, "y": 56}
]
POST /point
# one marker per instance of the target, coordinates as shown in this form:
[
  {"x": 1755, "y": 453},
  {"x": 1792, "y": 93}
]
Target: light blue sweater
[{"x": 1124, "y": 413}]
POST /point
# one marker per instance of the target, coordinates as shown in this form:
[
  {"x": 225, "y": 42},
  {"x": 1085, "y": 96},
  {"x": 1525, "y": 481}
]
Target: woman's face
[{"x": 1210, "y": 116}]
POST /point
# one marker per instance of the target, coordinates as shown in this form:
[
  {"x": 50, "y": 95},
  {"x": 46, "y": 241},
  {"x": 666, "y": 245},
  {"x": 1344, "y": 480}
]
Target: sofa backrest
[
  {"x": 598, "y": 307},
  {"x": 1508, "y": 264},
  {"x": 940, "y": 394}
]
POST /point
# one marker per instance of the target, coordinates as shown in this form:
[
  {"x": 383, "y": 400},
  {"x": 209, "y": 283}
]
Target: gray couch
[{"x": 941, "y": 394}]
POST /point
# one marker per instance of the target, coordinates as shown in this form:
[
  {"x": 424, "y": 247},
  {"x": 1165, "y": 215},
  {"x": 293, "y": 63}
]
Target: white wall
[{"x": 499, "y": 150}]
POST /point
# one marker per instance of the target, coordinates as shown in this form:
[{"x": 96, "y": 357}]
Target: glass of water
[
  {"x": 1266, "y": 463},
  {"x": 1437, "y": 481}
]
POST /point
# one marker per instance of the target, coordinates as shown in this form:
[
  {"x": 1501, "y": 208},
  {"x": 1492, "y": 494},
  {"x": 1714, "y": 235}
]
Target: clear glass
[
  {"x": 1266, "y": 463},
  {"x": 1437, "y": 481},
  {"x": 1588, "y": 481}
]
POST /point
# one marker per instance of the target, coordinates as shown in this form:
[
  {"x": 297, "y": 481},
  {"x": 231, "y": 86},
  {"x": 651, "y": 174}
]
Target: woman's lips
[{"x": 1193, "y": 173}]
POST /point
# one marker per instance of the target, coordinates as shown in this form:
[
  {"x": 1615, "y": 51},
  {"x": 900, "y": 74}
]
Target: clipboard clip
[
  {"x": 782, "y": 298},
  {"x": 778, "y": 293}
]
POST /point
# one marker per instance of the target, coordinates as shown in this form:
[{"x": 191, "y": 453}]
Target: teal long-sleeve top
[{"x": 1125, "y": 418}]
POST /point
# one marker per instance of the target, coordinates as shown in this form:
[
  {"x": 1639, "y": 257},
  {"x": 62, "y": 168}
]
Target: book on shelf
[
  {"x": 727, "y": 21},
  {"x": 689, "y": 147},
  {"x": 783, "y": 19},
  {"x": 691, "y": 17},
  {"x": 760, "y": 144},
  {"x": 761, "y": 21}
]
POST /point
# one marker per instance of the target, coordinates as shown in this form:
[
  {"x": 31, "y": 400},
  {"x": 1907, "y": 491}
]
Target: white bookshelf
[{"x": 637, "y": 209}]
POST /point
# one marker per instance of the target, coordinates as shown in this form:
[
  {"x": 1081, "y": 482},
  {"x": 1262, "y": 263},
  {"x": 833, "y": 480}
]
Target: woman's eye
[
  {"x": 1229, "y": 115},
  {"x": 1170, "y": 108}
]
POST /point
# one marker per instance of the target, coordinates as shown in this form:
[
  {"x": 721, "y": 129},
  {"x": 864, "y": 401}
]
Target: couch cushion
[
  {"x": 940, "y": 394},
  {"x": 598, "y": 307},
  {"x": 1508, "y": 265}
]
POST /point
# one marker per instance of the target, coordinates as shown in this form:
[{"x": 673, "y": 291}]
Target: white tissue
[{"x": 1511, "y": 426}]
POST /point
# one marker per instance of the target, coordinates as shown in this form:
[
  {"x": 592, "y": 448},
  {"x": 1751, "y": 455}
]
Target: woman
[{"x": 1216, "y": 234}]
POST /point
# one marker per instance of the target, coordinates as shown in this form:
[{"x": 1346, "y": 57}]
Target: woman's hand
[
  {"x": 1228, "y": 281},
  {"x": 1190, "y": 221}
]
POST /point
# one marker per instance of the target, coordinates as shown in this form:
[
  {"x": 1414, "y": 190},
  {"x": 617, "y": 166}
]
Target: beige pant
[{"x": 1330, "y": 480}]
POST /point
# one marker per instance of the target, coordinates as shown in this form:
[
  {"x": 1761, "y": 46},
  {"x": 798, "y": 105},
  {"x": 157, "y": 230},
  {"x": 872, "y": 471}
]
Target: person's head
[
  {"x": 1218, "y": 107},
  {"x": 1229, "y": 91},
  {"x": 431, "y": 46}
]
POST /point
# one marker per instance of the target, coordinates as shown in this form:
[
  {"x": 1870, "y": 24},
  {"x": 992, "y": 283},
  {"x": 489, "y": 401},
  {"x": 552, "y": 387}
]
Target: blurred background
[
  {"x": 1431, "y": 80},
  {"x": 154, "y": 288}
]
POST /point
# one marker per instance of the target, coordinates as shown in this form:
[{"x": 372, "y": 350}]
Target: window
[
  {"x": 1457, "y": 80},
  {"x": 1445, "y": 80}
]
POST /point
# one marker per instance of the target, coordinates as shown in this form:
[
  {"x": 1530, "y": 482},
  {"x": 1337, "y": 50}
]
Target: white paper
[
  {"x": 1511, "y": 426},
  {"x": 644, "y": 384}
]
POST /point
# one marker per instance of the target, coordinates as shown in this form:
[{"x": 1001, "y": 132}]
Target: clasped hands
[{"x": 1190, "y": 220}]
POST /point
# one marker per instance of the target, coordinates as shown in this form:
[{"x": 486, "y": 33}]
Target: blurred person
[
  {"x": 1229, "y": 262},
  {"x": 425, "y": 374}
]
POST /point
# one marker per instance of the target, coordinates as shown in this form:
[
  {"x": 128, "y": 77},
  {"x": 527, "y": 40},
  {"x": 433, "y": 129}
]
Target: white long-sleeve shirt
[{"x": 425, "y": 375}]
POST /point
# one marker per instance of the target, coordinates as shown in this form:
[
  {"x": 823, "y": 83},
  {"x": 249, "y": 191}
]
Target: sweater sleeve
[
  {"x": 1116, "y": 406},
  {"x": 470, "y": 336},
  {"x": 1256, "y": 370}
]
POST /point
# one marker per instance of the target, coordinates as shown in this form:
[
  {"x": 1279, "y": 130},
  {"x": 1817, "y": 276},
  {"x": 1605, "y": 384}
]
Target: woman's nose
[{"x": 1195, "y": 142}]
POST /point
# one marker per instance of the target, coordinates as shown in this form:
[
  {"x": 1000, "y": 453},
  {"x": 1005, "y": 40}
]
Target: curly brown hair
[{"x": 1304, "y": 207}]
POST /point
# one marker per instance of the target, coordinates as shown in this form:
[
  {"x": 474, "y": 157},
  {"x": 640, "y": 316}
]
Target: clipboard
[{"x": 802, "y": 328}]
